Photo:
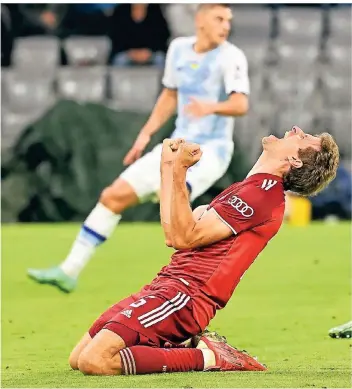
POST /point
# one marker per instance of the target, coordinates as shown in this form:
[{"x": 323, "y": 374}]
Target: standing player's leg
[
  {"x": 96, "y": 229},
  {"x": 138, "y": 181}
]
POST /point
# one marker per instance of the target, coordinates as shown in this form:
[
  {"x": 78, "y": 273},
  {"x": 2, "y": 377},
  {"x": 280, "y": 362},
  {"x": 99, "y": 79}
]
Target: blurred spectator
[
  {"x": 89, "y": 19},
  {"x": 181, "y": 19},
  {"x": 7, "y": 36},
  {"x": 336, "y": 198},
  {"x": 139, "y": 35},
  {"x": 39, "y": 19}
]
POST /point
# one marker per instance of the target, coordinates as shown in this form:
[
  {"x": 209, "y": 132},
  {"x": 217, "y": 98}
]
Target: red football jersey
[{"x": 254, "y": 210}]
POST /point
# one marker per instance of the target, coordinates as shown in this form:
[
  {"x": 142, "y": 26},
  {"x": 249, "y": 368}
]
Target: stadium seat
[
  {"x": 249, "y": 130},
  {"x": 37, "y": 54},
  {"x": 290, "y": 92},
  {"x": 251, "y": 29},
  {"x": 4, "y": 95},
  {"x": 180, "y": 18},
  {"x": 297, "y": 59},
  {"x": 251, "y": 23},
  {"x": 81, "y": 50},
  {"x": 255, "y": 53},
  {"x": 337, "y": 90},
  {"x": 305, "y": 92},
  {"x": 27, "y": 93},
  {"x": 339, "y": 60},
  {"x": 135, "y": 88},
  {"x": 285, "y": 119},
  {"x": 340, "y": 128},
  {"x": 82, "y": 83},
  {"x": 256, "y": 84},
  {"x": 13, "y": 124},
  {"x": 283, "y": 89},
  {"x": 340, "y": 26},
  {"x": 300, "y": 25}
]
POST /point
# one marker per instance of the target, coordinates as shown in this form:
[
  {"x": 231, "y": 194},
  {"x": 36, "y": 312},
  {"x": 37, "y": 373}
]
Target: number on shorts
[{"x": 141, "y": 302}]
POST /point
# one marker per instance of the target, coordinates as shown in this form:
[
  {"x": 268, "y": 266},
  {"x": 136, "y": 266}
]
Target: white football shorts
[{"x": 144, "y": 174}]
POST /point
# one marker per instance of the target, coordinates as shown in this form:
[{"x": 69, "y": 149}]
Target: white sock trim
[
  {"x": 102, "y": 220},
  {"x": 208, "y": 357}
]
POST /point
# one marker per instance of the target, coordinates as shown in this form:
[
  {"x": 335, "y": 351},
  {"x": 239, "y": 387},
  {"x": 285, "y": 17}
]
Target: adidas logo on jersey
[
  {"x": 268, "y": 184},
  {"x": 127, "y": 313}
]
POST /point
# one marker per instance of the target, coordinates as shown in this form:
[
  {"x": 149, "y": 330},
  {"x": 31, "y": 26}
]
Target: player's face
[
  {"x": 215, "y": 23},
  {"x": 291, "y": 143}
]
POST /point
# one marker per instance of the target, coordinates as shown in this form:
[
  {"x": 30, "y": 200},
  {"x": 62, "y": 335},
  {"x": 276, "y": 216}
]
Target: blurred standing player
[
  {"x": 216, "y": 245},
  {"x": 206, "y": 79}
]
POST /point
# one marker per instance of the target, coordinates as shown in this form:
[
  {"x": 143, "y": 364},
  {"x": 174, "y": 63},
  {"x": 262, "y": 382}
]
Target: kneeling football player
[{"x": 215, "y": 245}]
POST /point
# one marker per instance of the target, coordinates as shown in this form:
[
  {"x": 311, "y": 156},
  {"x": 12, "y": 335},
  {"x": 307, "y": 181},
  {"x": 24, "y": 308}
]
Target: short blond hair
[
  {"x": 318, "y": 170},
  {"x": 204, "y": 6}
]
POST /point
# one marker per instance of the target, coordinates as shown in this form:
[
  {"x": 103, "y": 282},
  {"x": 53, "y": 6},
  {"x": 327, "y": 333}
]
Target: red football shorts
[{"x": 153, "y": 316}]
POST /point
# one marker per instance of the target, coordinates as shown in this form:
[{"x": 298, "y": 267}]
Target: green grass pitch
[{"x": 281, "y": 311}]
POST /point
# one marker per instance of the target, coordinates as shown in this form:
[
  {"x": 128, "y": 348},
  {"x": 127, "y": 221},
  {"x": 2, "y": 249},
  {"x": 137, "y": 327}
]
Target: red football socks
[{"x": 144, "y": 360}]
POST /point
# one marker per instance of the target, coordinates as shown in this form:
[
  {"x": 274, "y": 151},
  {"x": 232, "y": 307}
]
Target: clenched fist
[
  {"x": 188, "y": 154},
  {"x": 170, "y": 146}
]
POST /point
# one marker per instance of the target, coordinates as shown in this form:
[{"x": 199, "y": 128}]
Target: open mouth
[{"x": 272, "y": 138}]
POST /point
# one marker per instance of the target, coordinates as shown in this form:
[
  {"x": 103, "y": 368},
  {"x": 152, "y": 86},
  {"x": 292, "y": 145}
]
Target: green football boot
[
  {"x": 53, "y": 276},
  {"x": 342, "y": 331}
]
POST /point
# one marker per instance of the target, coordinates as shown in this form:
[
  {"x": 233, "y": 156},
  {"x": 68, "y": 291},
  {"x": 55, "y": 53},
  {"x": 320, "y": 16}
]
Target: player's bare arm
[
  {"x": 186, "y": 232},
  {"x": 168, "y": 153},
  {"x": 199, "y": 212},
  {"x": 164, "y": 108},
  {"x": 236, "y": 105}
]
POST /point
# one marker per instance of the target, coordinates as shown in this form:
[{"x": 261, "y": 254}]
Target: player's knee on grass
[
  {"x": 97, "y": 365},
  {"x": 118, "y": 196},
  {"x": 101, "y": 356},
  {"x": 73, "y": 361},
  {"x": 75, "y": 353}
]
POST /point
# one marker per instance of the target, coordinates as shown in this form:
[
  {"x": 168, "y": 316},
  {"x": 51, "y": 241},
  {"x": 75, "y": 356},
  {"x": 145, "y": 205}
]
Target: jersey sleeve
[
  {"x": 236, "y": 73},
  {"x": 244, "y": 209},
  {"x": 169, "y": 78}
]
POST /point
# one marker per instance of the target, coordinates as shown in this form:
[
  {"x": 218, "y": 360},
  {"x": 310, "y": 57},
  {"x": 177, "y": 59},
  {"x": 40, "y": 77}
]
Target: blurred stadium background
[
  {"x": 71, "y": 106},
  {"x": 300, "y": 70}
]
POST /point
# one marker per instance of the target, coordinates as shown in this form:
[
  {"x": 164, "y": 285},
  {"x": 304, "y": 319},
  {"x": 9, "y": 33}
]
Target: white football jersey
[{"x": 212, "y": 77}]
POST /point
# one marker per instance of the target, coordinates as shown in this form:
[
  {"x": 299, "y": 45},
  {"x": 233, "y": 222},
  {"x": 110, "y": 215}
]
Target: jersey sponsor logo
[
  {"x": 127, "y": 313},
  {"x": 241, "y": 206},
  {"x": 268, "y": 184}
]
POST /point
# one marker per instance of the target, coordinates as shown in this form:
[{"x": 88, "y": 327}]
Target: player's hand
[
  {"x": 170, "y": 147},
  {"x": 188, "y": 154},
  {"x": 137, "y": 149},
  {"x": 197, "y": 109}
]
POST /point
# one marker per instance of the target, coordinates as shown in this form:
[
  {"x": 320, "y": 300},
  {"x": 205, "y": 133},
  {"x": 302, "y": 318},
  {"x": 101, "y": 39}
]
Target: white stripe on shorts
[
  {"x": 166, "y": 309},
  {"x": 176, "y": 308},
  {"x": 161, "y": 307}
]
